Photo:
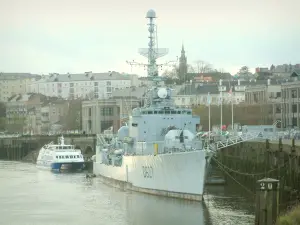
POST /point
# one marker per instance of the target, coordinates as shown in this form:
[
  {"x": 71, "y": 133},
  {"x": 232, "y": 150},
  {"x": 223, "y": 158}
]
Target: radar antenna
[{"x": 152, "y": 53}]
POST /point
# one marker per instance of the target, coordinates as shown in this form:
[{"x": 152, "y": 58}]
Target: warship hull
[{"x": 177, "y": 175}]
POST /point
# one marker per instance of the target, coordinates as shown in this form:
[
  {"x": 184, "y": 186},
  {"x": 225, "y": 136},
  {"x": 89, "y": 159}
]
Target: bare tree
[
  {"x": 190, "y": 69},
  {"x": 221, "y": 70},
  {"x": 203, "y": 67},
  {"x": 173, "y": 73},
  {"x": 244, "y": 70}
]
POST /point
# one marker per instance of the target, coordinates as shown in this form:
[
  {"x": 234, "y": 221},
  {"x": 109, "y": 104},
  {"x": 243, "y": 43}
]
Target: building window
[
  {"x": 106, "y": 125},
  {"x": 90, "y": 111},
  {"x": 294, "y": 110},
  {"x": 108, "y": 89},
  {"x": 107, "y": 111},
  {"x": 89, "y": 125},
  {"x": 278, "y": 109},
  {"x": 108, "y": 83},
  {"x": 255, "y": 98},
  {"x": 294, "y": 122}
]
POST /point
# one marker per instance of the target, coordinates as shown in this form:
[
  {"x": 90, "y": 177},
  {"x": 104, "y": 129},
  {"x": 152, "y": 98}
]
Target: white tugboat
[
  {"x": 158, "y": 151},
  {"x": 60, "y": 156}
]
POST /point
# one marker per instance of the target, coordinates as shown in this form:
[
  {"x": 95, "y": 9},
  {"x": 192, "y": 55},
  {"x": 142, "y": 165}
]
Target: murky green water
[{"x": 29, "y": 196}]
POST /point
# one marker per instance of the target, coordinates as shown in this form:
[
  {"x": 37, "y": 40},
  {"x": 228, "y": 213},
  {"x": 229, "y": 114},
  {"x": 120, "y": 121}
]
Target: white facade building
[
  {"x": 194, "y": 94},
  {"x": 84, "y": 86}
]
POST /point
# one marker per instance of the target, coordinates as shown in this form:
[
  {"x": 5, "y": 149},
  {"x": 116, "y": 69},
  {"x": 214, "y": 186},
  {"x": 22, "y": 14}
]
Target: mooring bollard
[{"x": 267, "y": 205}]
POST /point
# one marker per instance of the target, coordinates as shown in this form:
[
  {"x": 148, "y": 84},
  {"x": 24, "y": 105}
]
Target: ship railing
[
  {"x": 230, "y": 141},
  {"x": 101, "y": 140},
  {"x": 47, "y": 145}
]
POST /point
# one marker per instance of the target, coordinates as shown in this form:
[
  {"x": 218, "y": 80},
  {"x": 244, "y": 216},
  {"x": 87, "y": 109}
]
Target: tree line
[{"x": 174, "y": 76}]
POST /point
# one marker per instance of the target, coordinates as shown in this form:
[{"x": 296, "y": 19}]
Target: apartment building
[
  {"x": 195, "y": 93},
  {"x": 53, "y": 115},
  {"x": 266, "y": 93},
  {"x": 34, "y": 113},
  {"x": 290, "y": 104},
  {"x": 23, "y": 113},
  {"x": 15, "y": 83},
  {"x": 81, "y": 86}
]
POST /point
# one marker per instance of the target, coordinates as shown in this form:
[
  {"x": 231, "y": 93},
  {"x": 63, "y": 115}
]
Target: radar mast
[{"x": 152, "y": 53}]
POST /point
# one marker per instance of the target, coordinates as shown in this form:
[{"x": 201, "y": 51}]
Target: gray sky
[{"x": 45, "y": 36}]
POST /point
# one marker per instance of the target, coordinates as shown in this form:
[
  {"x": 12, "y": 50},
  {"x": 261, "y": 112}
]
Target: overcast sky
[{"x": 47, "y": 36}]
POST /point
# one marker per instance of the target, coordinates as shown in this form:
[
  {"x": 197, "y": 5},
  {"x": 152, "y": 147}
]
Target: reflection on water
[
  {"x": 32, "y": 196},
  {"x": 227, "y": 205},
  {"x": 145, "y": 210}
]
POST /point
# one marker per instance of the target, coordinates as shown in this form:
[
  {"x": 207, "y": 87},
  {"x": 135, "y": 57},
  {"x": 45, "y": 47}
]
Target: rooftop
[
  {"x": 137, "y": 92},
  {"x": 214, "y": 75},
  {"x": 212, "y": 87},
  {"x": 27, "y": 97},
  {"x": 15, "y": 76},
  {"x": 295, "y": 73},
  {"x": 84, "y": 77}
]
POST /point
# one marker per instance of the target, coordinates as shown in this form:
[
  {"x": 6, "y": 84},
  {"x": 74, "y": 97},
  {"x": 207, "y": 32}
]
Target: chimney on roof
[{"x": 88, "y": 74}]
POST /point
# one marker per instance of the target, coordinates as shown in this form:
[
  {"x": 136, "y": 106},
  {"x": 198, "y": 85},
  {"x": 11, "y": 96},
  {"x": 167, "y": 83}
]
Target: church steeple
[
  {"x": 182, "y": 57},
  {"x": 182, "y": 63},
  {"x": 182, "y": 50}
]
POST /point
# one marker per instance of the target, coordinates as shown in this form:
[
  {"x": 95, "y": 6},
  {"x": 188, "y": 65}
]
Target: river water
[{"x": 29, "y": 196}]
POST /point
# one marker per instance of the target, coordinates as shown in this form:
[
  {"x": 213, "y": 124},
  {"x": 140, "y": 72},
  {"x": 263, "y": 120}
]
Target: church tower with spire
[{"x": 182, "y": 64}]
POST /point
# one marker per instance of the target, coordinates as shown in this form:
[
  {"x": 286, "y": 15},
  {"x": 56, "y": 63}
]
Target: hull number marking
[{"x": 147, "y": 171}]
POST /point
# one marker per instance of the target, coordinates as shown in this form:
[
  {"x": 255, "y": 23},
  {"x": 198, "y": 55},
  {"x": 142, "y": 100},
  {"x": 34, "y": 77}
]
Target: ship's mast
[{"x": 152, "y": 53}]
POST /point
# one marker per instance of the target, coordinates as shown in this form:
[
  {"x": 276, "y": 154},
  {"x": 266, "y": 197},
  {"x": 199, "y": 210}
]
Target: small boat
[{"x": 58, "y": 157}]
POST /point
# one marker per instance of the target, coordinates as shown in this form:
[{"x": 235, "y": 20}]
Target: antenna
[{"x": 152, "y": 53}]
